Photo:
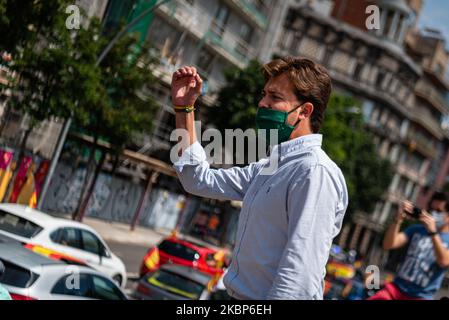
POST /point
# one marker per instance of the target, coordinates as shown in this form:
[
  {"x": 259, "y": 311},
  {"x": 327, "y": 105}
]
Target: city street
[{"x": 132, "y": 255}]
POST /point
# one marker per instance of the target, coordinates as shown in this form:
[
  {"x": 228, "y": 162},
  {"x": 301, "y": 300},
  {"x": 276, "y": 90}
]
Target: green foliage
[
  {"x": 346, "y": 140},
  {"x": 351, "y": 146},
  {"x": 22, "y": 20},
  {"x": 238, "y": 100},
  {"x": 57, "y": 75}
]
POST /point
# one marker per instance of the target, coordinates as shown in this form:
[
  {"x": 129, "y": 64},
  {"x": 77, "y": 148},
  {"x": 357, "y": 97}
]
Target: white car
[
  {"x": 61, "y": 235},
  {"x": 30, "y": 276}
]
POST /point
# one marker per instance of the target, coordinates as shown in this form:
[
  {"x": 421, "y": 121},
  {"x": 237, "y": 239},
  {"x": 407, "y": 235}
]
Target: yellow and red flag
[{"x": 6, "y": 157}]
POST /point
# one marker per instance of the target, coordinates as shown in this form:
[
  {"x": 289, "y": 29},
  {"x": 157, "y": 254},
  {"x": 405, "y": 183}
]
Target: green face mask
[{"x": 269, "y": 119}]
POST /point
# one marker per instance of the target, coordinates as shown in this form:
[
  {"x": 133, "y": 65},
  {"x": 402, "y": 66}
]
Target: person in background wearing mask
[
  {"x": 290, "y": 216},
  {"x": 422, "y": 272}
]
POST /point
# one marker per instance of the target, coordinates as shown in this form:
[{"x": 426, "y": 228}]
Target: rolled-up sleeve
[
  {"x": 199, "y": 179},
  {"x": 313, "y": 202}
]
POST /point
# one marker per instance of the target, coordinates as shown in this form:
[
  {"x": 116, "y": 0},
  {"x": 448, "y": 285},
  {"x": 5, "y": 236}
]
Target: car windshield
[
  {"x": 17, "y": 225},
  {"x": 176, "y": 284},
  {"x": 178, "y": 250}
]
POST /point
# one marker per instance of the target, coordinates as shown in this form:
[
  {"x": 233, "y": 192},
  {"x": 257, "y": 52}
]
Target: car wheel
[{"x": 117, "y": 279}]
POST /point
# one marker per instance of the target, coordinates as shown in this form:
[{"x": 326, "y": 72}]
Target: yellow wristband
[
  {"x": 186, "y": 109},
  {"x": 182, "y": 107}
]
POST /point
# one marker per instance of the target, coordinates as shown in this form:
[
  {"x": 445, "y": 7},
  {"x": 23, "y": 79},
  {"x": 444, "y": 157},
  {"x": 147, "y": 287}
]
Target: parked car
[
  {"x": 187, "y": 253},
  {"x": 68, "y": 237},
  {"x": 175, "y": 282},
  {"x": 31, "y": 276}
]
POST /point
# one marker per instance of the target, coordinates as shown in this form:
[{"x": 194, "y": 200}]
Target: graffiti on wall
[{"x": 114, "y": 199}]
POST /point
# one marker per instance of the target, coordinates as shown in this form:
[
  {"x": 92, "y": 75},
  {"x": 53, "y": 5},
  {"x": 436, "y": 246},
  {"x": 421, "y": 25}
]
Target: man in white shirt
[{"x": 290, "y": 217}]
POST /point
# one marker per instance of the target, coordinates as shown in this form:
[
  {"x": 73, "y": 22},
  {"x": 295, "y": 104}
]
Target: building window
[
  {"x": 368, "y": 107},
  {"x": 165, "y": 126},
  {"x": 404, "y": 128},
  {"x": 394, "y": 153},
  {"x": 380, "y": 79},
  {"x": 388, "y": 23},
  {"x": 205, "y": 61},
  {"x": 245, "y": 34},
  {"x": 163, "y": 37},
  {"x": 401, "y": 186},
  {"x": 415, "y": 193},
  {"x": 358, "y": 70},
  {"x": 220, "y": 20},
  {"x": 375, "y": 116}
]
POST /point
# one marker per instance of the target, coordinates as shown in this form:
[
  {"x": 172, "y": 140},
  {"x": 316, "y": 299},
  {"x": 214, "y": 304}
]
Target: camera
[{"x": 416, "y": 213}]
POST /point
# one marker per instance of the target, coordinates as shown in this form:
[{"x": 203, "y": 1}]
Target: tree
[
  {"x": 345, "y": 139},
  {"x": 58, "y": 77},
  {"x": 22, "y": 20},
  {"x": 126, "y": 108},
  {"x": 52, "y": 68},
  {"x": 351, "y": 146},
  {"x": 238, "y": 100}
]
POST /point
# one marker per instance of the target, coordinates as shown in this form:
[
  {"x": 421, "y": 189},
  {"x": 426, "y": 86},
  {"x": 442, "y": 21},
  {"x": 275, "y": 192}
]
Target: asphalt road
[{"x": 132, "y": 256}]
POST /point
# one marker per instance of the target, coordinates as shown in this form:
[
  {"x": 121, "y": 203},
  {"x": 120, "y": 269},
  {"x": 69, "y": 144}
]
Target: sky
[{"x": 436, "y": 15}]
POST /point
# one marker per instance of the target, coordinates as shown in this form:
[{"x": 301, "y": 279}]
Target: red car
[{"x": 186, "y": 253}]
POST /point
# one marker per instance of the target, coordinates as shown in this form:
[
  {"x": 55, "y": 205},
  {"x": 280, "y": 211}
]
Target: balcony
[
  {"x": 202, "y": 26},
  {"x": 437, "y": 77},
  {"x": 431, "y": 95},
  {"x": 421, "y": 145},
  {"x": 393, "y": 134},
  {"x": 257, "y": 17}
]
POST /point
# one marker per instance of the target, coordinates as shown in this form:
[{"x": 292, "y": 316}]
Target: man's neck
[{"x": 300, "y": 133}]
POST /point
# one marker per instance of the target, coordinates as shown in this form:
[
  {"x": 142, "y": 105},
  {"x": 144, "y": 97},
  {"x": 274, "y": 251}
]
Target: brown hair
[{"x": 311, "y": 80}]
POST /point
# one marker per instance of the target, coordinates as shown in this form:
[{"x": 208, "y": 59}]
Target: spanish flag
[
  {"x": 22, "y": 178},
  {"x": 6, "y": 171}
]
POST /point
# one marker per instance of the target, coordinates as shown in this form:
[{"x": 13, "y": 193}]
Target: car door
[
  {"x": 105, "y": 289},
  {"x": 67, "y": 289},
  {"x": 69, "y": 240},
  {"x": 95, "y": 250}
]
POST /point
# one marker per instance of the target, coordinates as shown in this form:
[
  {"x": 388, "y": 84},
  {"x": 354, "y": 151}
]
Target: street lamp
[{"x": 68, "y": 122}]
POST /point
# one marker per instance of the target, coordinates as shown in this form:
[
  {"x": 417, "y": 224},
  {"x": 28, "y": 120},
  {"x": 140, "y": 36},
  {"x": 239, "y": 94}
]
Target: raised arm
[
  {"x": 395, "y": 239},
  {"x": 193, "y": 170}
]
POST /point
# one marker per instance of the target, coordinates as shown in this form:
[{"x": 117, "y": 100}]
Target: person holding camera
[{"x": 422, "y": 272}]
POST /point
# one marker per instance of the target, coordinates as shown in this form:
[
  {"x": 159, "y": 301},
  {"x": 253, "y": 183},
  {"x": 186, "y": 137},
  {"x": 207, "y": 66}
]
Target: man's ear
[{"x": 307, "y": 110}]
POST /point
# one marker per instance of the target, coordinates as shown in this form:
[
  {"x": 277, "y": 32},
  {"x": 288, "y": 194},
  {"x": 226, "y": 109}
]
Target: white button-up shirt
[{"x": 288, "y": 219}]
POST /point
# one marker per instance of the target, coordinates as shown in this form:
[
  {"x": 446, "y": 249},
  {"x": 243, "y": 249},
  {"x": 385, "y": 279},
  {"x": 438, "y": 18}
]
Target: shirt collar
[{"x": 298, "y": 144}]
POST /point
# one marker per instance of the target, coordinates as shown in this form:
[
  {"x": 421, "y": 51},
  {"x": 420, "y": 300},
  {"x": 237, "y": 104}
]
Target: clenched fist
[{"x": 186, "y": 86}]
